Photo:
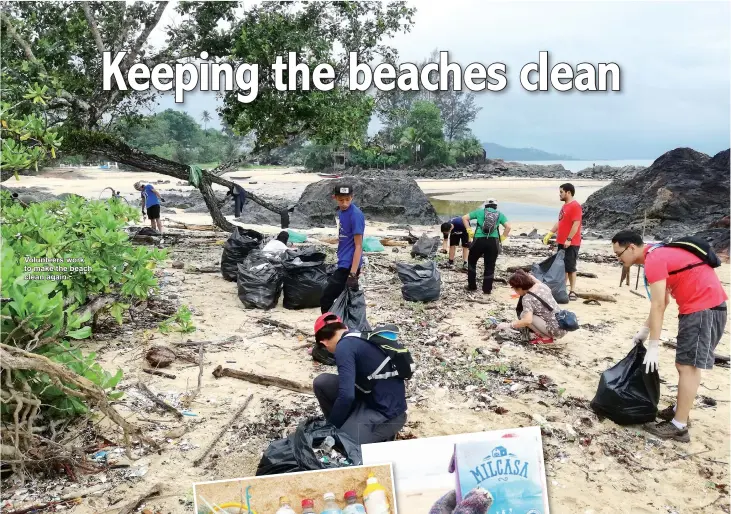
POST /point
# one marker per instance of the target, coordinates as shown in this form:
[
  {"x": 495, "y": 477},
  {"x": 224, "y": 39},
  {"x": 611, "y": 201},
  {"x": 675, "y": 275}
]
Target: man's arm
[
  {"x": 573, "y": 231},
  {"x": 155, "y": 192},
  {"x": 358, "y": 240},
  {"x": 508, "y": 228},
  {"x": 659, "y": 302},
  {"x": 346, "y": 387},
  {"x": 554, "y": 228},
  {"x": 466, "y": 220}
]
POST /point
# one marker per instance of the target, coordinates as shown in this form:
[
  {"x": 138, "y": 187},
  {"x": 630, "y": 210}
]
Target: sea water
[{"x": 510, "y": 467}]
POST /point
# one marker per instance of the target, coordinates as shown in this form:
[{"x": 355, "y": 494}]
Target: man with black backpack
[
  {"x": 684, "y": 269},
  {"x": 367, "y": 398},
  {"x": 486, "y": 242}
]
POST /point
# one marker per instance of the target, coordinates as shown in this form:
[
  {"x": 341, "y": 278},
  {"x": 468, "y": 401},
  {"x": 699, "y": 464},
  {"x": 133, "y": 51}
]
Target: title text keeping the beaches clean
[{"x": 297, "y": 76}]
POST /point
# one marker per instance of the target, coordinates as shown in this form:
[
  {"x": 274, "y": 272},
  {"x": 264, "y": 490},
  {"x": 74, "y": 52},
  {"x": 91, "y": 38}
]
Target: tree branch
[
  {"x": 142, "y": 38},
  {"x": 18, "y": 39},
  {"x": 93, "y": 26}
]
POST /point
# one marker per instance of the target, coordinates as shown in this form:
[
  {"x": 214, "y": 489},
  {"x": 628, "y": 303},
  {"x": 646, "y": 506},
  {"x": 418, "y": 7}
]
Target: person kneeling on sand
[
  {"x": 359, "y": 400},
  {"x": 701, "y": 300},
  {"x": 535, "y": 309}
]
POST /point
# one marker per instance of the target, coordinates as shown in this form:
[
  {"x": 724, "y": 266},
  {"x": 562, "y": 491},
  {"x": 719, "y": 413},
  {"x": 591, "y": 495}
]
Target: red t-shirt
[
  {"x": 695, "y": 289},
  {"x": 570, "y": 212}
]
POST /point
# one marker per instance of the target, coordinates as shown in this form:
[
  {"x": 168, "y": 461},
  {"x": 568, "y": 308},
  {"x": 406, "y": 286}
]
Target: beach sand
[{"x": 597, "y": 477}]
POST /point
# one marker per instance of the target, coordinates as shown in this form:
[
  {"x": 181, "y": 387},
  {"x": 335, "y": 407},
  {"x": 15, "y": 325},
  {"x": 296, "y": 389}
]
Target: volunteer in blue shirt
[
  {"x": 151, "y": 203},
  {"x": 456, "y": 233},
  {"x": 368, "y": 417},
  {"x": 350, "y": 247}
]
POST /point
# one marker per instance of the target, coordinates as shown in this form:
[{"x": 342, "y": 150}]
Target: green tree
[{"x": 206, "y": 117}]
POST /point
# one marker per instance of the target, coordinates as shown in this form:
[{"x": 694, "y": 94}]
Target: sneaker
[
  {"x": 464, "y": 266},
  {"x": 541, "y": 340},
  {"x": 666, "y": 430},
  {"x": 667, "y": 414}
]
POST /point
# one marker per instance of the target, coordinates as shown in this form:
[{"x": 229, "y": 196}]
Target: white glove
[
  {"x": 652, "y": 355},
  {"x": 503, "y": 326},
  {"x": 641, "y": 336}
]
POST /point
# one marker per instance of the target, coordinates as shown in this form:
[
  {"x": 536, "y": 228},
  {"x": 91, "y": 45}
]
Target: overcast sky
[{"x": 675, "y": 60}]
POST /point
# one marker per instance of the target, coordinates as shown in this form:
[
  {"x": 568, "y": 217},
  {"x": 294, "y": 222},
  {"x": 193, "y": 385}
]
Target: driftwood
[
  {"x": 158, "y": 373},
  {"x": 189, "y": 398},
  {"x": 279, "y": 324},
  {"x": 597, "y": 297},
  {"x": 204, "y": 269},
  {"x": 238, "y": 413},
  {"x": 132, "y": 506},
  {"x": 164, "y": 405},
  {"x": 265, "y": 380},
  {"x": 636, "y": 293},
  {"x": 719, "y": 359},
  {"x": 185, "y": 226},
  {"x": 393, "y": 242},
  {"x": 586, "y": 275},
  {"x": 228, "y": 340}
]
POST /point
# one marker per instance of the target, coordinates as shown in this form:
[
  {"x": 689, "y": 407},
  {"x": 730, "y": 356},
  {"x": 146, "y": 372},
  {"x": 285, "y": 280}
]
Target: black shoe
[
  {"x": 667, "y": 414},
  {"x": 666, "y": 430}
]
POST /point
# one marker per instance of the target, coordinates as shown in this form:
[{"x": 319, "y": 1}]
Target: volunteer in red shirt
[
  {"x": 701, "y": 301},
  {"x": 568, "y": 233}
]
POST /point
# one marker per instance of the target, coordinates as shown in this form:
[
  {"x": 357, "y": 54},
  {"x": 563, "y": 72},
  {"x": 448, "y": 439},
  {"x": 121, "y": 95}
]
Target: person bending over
[
  {"x": 151, "y": 204},
  {"x": 370, "y": 411},
  {"x": 457, "y": 234},
  {"x": 701, "y": 301}
]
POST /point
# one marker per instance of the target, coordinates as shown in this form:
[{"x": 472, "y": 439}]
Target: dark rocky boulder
[
  {"x": 602, "y": 172},
  {"x": 386, "y": 199},
  {"x": 683, "y": 192}
]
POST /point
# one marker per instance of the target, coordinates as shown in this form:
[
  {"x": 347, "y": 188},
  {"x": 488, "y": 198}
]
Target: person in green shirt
[{"x": 487, "y": 245}]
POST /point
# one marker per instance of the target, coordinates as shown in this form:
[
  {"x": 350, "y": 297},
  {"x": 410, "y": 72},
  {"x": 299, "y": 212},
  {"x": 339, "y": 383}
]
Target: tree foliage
[{"x": 47, "y": 309}]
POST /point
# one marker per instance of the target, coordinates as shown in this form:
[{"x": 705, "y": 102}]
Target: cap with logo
[
  {"x": 491, "y": 201},
  {"x": 343, "y": 189}
]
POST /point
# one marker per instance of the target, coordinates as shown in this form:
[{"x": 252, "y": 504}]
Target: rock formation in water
[{"x": 683, "y": 192}]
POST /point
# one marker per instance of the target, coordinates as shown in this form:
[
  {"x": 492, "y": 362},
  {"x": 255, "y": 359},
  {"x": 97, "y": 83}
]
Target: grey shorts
[{"x": 698, "y": 335}]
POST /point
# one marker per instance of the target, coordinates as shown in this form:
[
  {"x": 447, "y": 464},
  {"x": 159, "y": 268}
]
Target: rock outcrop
[
  {"x": 386, "y": 199},
  {"x": 609, "y": 172},
  {"x": 683, "y": 192}
]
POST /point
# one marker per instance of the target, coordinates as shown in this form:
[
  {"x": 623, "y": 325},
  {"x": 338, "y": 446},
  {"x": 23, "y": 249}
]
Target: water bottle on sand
[
  {"x": 331, "y": 506},
  {"x": 308, "y": 506},
  {"x": 353, "y": 507},
  {"x": 374, "y": 497},
  {"x": 285, "y": 506}
]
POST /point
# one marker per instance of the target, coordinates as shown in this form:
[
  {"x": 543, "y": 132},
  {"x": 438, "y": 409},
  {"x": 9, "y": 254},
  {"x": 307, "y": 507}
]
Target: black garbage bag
[
  {"x": 322, "y": 355},
  {"x": 626, "y": 394},
  {"x": 238, "y": 246},
  {"x": 426, "y": 247},
  {"x": 351, "y": 307},
  {"x": 296, "y": 452},
  {"x": 259, "y": 281},
  {"x": 552, "y": 272},
  {"x": 421, "y": 282},
  {"x": 304, "y": 278}
]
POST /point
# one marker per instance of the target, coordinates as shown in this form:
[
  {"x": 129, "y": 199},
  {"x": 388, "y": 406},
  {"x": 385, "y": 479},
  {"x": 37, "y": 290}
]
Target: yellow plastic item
[
  {"x": 470, "y": 233},
  {"x": 232, "y": 505},
  {"x": 375, "y": 498},
  {"x": 547, "y": 238},
  {"x": 503, "y": 237}
]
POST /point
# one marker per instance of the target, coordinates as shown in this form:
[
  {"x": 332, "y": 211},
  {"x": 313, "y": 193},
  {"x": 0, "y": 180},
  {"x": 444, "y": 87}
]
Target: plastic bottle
[
  {"x": 285, "y": 507},
  {"x": 331, "y": 506},
  {"x": 374, "y": 497},
  {"x": 327, "y": 444},
  {"x": 353, "y": 507},
  {"x": 308, "y": 506}
]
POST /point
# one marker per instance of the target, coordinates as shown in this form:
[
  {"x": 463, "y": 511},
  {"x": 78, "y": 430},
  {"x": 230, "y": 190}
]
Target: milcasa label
[{"x": 508, "y": 464}]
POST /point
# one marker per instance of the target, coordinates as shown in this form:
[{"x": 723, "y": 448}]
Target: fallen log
[
  {"x": 228, "y": 340},
  {"x": 719, "y": 359},
  {"x": 393, "y": 242},
  {"x": 203, "y": 269},
  {"x": 265, "y": 380},
  {"x": 238, "y": 413},
  {"x": 158, "y": 373},
  {"x": 597, "y": 297},
  {"x": 186, "y": 226},
  {"x": 636, "y": 293},
  {"x": 586, "y": 275},
  {"x": 132, "y": 506},
  {"x": 279, "y": 324},
  {"x": 164, "y": 405}
]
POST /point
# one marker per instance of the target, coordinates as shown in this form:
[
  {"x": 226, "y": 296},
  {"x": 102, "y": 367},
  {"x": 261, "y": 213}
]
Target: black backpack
[
  {"x": 695, "y": 245},
  {"x": 398, "y": 362},
  {"x": 491, "y": 222}
]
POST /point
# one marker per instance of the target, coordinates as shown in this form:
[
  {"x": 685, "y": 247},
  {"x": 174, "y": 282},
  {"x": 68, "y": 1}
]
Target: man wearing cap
[
  {"x": 351, "y": 227},
  {"x": 485, "y": 244},
  {"x": 151, "y": 201},
  {"x": 368, "y": 417}
]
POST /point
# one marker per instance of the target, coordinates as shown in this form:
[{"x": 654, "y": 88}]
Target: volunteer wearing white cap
[{"x": 486, "y": 242}]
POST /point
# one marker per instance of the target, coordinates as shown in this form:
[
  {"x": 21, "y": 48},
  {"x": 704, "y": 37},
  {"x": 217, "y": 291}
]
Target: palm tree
[
  {"x": 412, "y": 138},
  {"x": 206, "y": 118}
]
